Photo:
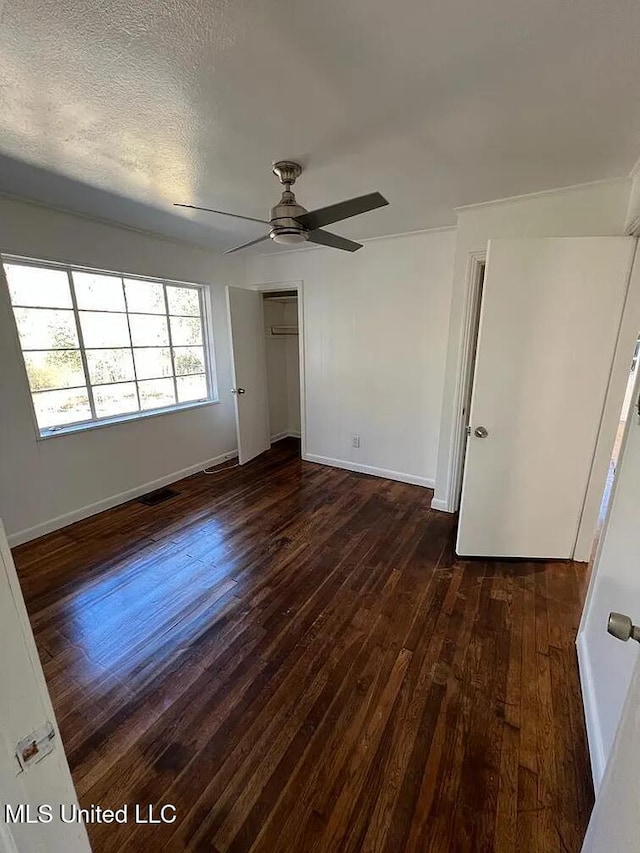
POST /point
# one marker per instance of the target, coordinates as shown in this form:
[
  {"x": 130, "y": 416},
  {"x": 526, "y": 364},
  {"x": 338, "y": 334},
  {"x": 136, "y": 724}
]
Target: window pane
[
  {"x": 45, "y": 329},
  {"x": 191, "y": 388},
  {"x": 109, "y": 365},
  {"x": 153, "y": 362},
  {"x": 115, "y": 399},
  {"x": 34, "y": 286},
  {"x": 185, "y": 331},
  {"x": 189, "y": 359},
  {"x": 156, "y": 393},
  {"x": 146, "y": 297},
  {"x": 148, "y": 331},
  {"x": 54, "y": 369},
  {"x": 55, "y": 408},
  {"x": 100, "y": 329},
  {"x": 98, "y": 291},
  {"x": 183, "y": 300}
]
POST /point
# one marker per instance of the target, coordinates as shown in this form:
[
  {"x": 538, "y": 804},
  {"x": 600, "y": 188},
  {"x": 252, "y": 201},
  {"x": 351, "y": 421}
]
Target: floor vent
[{"x": 157, "y": 497}]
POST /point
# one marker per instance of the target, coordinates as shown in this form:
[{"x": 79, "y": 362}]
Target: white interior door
[
  {"x": 615, "y": 820},
  {"x": 549, "y": 324},
  {"x": 606, "y": 665},
  {"x": 249, "y": 371},
  {"x": 25, "y": 708}
]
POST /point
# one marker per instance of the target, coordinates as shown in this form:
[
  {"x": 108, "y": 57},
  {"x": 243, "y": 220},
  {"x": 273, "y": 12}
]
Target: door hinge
[
  {"x": 36, "y": 745},
  {"x": 467, "y": 430}
]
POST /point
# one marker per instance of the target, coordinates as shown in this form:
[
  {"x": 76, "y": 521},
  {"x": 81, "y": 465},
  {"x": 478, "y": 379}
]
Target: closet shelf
[{"x": 282, "y": 331}]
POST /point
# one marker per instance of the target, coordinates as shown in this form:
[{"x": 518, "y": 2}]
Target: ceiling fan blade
[
  {"x": 223, "y": 213},
  {"x": 326, "y": 238},
  {"x": 343, "y": 210},
  {"x": 246, "y": 245}
]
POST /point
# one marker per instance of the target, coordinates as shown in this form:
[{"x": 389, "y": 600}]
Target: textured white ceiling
[{"x": 118, "y": 108}]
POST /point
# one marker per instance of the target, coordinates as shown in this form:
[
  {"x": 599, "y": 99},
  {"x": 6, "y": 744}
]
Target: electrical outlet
[{"x": 355, "y": 440}]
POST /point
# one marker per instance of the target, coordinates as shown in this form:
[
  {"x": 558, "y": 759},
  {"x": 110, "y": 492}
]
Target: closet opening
[{"x": 282, "y": 345}]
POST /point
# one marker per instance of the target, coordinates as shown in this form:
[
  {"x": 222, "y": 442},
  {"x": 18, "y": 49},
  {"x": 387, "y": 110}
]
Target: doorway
[
  {"x": 282, "y": 353},
  {"x": 266, "y": 324}
]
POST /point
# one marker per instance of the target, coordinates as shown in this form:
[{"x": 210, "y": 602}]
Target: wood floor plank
[
  {"x": 295, "y": 658},
  {"x": 506, "y": 831}
]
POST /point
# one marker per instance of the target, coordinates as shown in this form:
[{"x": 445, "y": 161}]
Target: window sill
[{"x": 74, "y": 429}]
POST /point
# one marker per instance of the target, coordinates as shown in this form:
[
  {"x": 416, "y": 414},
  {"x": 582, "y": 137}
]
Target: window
[{"x": 100, "y": 347}]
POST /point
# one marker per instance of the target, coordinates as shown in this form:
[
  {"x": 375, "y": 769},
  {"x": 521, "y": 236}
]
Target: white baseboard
[
  {"x": 440, "y": 505},
  {"x": 348, "y": 465},
  {"x": 286, "y": 434},
  {"x": 594, "y": 736},
  {"x": 106, "y": 503}
]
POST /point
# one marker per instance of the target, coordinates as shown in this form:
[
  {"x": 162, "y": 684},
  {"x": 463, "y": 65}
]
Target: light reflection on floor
[{"x": 139, "y": 608}]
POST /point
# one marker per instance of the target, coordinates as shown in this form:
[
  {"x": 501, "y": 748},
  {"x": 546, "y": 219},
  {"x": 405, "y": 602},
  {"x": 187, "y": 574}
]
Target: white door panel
[
  {"x": 249, "y": 371},
  {"x": 548, "y": 328},
  {"x": 24, "y": 708},
  {"x": 615, "y": 820},
  {"x": 605, "y": 664}
]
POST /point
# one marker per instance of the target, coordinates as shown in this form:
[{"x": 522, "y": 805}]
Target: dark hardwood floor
[{"x": 294, "y": 657}]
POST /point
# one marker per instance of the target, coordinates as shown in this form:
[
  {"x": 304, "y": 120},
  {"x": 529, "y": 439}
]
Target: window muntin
[{"x": 99, "y": 347}]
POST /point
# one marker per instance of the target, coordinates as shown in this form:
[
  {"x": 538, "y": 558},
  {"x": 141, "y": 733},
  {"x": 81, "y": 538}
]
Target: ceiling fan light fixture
[{"x": 289, "y": 238}]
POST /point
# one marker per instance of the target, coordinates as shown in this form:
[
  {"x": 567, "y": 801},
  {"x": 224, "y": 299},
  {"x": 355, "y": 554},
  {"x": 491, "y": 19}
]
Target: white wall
[
  {"x": 292, "y": 356},
  {"x": 632, "y": 223},
  {"x": 45, "y": 484},
  {"x": 276, "y": 356},
  {"x": 375, "y": 325},
  {"x": 594, "y": 210}
]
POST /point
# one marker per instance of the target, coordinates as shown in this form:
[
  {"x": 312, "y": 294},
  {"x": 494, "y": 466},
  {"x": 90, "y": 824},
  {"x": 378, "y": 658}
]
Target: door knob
[
  {"x": 238, "y": 391},
  {"x": 622, "y": 628},
  {"x": 481, "y": 432}
]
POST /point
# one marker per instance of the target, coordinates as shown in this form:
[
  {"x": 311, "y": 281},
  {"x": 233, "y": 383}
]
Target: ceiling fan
[{"x": 290, "y": 223}]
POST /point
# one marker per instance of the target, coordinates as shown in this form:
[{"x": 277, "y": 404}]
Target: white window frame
[{"x": 206, "y": 319}]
